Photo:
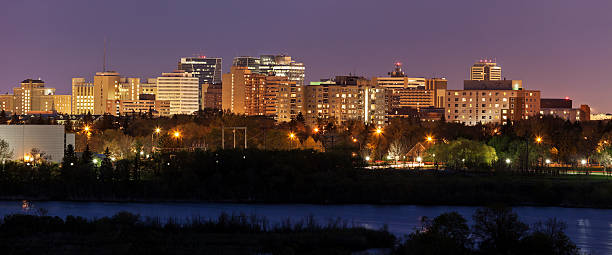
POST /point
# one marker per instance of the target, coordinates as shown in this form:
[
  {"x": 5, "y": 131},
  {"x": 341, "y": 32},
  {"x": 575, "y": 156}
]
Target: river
[{"x": 590, "y": 229}]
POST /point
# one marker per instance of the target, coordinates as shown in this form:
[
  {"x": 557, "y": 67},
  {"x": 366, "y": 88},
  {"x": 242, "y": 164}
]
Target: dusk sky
[{"x": 560, "y": 47}]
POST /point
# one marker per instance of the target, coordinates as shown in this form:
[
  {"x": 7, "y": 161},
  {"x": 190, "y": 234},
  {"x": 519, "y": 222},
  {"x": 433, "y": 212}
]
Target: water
[{"x": 590, "y": 229}]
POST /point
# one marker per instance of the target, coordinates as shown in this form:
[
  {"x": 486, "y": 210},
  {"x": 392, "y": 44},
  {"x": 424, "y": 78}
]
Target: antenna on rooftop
[{"x": 104, "y": 58}]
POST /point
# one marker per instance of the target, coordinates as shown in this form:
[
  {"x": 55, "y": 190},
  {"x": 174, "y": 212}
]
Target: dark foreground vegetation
[
  {"x": 495, "y": 231},
  {"x": 125, "y": 233},
  {"x": 290, "y": 177}
]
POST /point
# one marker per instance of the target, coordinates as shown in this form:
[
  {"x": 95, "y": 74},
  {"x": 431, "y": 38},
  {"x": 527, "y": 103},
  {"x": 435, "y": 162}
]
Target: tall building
[
  {"x": 485, "y": 70},
  {"x": 345, "y": 98},
  {"x": 106, "y": 87},
  {"x": 249, "y": 93},
  {"x": 406, "y": 92},
  {"x": 157, "y": 108},
  {"x": 207, "y": 70},
  {"x": 32, "y": 96},
  {"x": 497, "y": 102},
  {"x": 211, "y": 96},
  {"x": 282, "y": 66},
  {"x": 62, "y": 104},
  {"x": 181, "y": 89},
  {"x": 149, "y": 87},
  {"x": 82, "y": 96}
]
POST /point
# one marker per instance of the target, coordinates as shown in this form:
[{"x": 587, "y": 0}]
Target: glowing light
[
  {"x": 291, "y": 135},
  {"x": 583, "y": 161},
  {"x": 538, "y": 139},
  {"x": 86, "y": 128},
  {"x": 547, "y": 161},
  {"x": 508, "y": 161},
  {"x": 177, "y": 134},
  {"x": 367, "y": 158},
  {"x": 379, "y": 131},
  {"x": 354, "y": 140},
  {"x": 157, "y": 130},
  {"x": 566, "y": 98},
  {"x": 316, "y": 130},
  {"x": 429, "y": 139},
  {"x": 141, "y": 153},
  {"x": 419, "y": 159},
  {"x": 95, "y": 161}
]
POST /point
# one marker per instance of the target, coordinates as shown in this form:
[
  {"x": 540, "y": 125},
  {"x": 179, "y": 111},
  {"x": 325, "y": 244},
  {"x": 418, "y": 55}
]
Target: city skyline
[{"x": 556, "y": 47}]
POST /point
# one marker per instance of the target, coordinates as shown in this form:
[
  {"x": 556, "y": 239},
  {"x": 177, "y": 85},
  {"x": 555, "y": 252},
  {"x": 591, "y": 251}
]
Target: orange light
[
  {"x": 538, "y": 139},
  {"x": 378, "y": 130},
  {"x": 316, "y": 130},
  {"x": 354, "y": 140},
  {"x": 429, "y": 139},
  {"x": 291, "y": 135},
  {"x": 177, "y": 134},
  {"x": 157, "y": 130},
  {"x": 86, "y": 128}
]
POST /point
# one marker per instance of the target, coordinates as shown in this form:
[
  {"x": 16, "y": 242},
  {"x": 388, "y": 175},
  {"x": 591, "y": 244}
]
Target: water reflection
[{"x": 590, "y": 229}]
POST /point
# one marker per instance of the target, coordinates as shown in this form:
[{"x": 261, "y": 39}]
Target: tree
[
  {"x": 106, "y": 167},
  {"x": 498, "y": 230},
  {"x": 446, "y": 234},
  {"x": 548, "y": 238},
  {"x": 6, "y": 152},
  {"x": 463, "y": 153},
  {"x": 69, "y": 164}
]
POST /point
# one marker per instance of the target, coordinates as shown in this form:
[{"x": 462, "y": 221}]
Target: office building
[
  {"x": 106, "y": 87},
  {"x": 212, "y": 96},
  {"x": 181, "y": 89},
  {"x": 496, "y": 102},
  {"x": 406, "y": 92},
  {"x": 7, "y": 103},
  {"x": 485, "y": 70},
  {"x": 33, "y": 96},
  {"x": 562, "y": 108},
  {"x": 344, "y": 98},
  {"x": 62, "y": 104},
  {"x": 48, "y": 139},
  {"x": 207, "y": 70},
  {"x": 156, "y": 108},
  {"x": 82, "y": 96},
  {"x": 282, "y": 66}
]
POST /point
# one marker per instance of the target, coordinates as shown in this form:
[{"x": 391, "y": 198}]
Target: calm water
[{"x": 590, "y": 229}]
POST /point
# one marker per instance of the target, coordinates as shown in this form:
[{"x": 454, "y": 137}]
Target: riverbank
[{"x": 379, "y": 187}]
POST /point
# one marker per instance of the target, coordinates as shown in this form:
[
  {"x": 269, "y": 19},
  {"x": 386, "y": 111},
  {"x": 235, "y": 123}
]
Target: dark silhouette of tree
[{"x": 106, "y": 168}]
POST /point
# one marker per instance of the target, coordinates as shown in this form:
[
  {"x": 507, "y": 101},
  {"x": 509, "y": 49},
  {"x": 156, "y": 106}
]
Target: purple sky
[{"x": 560, "y": 47}]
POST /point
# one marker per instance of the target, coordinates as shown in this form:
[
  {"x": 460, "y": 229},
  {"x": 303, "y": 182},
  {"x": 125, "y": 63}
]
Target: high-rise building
[
  {"x": 149, "y": 87},
  {"x": 106, "y": 87},
  {"x": 207, "y": 70},
  {"x": 498, "y": 102},
  {"x": 282, "y": 66},
  {"x": 485, "y": 70},
  {"x": 157, "y": 108},
  {"x": 345, "y": 98},
  {"x": 32, "y": 96},
  {"x": 82, "y": 96},
  {"x": 211, "y": 96},
  {"x": 62, "y": 104},
  {"x": 406, "y": 92},
  {"x": 181, "y": 89}
]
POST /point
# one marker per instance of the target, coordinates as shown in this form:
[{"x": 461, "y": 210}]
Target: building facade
[
  {"x": 33, "y": 96},
  {"x": 493, "y": 104},
  {"x": 485, "y": 70},
  {"x": 156, "y": 108},
  {"x": 562, "y": 108},
  {"x": 48, "y": 139},
  {"x": 181, "y": 89},
  {"x": 82, "y": 96},
  {"x": 62, "y": 104},
  {"x": 207, "y": 70},
  {"x": 345, "y": 98}
]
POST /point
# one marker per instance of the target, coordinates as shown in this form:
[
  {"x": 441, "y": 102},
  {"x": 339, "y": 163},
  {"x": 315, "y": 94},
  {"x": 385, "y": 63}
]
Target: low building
[
  {"x": 562, "y": 108},
  {"x": 157, "y": 108},
  {"x": 601, "y": 116},
  {"x": 48, "y": 139},
  {"x": 496, "y": 102}
]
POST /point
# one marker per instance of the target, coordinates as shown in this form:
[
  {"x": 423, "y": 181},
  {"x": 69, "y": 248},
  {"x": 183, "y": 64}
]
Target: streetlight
[
  {"x": 419, "y": 159},
  {"x": 177, "y": 134},
  {"x": 354, "y": 140},
  {"x": 157, "y": 130},
  {"x": 291, "y": 137},
  {"x": 367, "y": 158},
  {"x": 584, "y": 162},
  {"x": 547, "y": 161},
  {"x": 86, "y": 128},
  {"x": 316, "y": 130},
  {"x": 379, "y": 130},
  {"x": 95, "y": 161},
  {"x": 508, "y": 161},
  {"x": 538, "y": 139},
  {"x": 429, "y": 139}
]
